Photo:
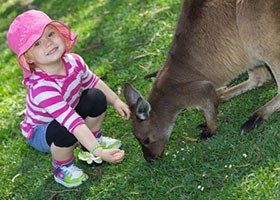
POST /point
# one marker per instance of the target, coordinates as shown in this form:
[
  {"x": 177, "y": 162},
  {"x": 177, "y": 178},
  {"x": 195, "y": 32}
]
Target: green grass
[{"x": 112, "y": 36}]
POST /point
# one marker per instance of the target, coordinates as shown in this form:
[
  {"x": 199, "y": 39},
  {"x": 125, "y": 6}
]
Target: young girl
[{"x": 65, "y": 101}]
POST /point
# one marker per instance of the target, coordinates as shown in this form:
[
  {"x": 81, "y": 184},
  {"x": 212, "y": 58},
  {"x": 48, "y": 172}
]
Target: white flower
[{"x": 201, "y": 188}]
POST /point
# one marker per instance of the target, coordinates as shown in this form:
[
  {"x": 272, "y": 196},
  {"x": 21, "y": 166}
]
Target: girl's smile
[{"x": 52, "y": 51}]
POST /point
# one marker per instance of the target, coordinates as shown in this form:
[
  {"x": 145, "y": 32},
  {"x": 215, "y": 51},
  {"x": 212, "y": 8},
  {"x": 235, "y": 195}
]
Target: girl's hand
[
  {"x": 112, "y": 156},
  {"x": 122, "y": 109}
]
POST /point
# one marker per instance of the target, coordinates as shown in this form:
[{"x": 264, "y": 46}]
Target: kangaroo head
[{"x": 147, "y": 126}]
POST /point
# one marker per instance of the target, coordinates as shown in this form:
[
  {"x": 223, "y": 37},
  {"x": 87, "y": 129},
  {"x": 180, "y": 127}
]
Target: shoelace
[{"x": 70, "y": 170}]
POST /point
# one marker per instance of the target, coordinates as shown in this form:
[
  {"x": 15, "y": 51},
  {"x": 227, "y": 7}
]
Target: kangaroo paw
[
  {"x": 205, "y": 135},
  {"x": 251, "y": 123}
]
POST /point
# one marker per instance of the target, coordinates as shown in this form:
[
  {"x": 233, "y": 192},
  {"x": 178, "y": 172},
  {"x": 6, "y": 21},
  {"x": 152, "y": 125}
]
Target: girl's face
[{"x": 47, "y": 50}]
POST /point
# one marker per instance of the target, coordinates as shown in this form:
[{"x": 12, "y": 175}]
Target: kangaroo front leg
[
  {"x": 205, "y": 98},
  {"x": 257, "y": 77},
  {"x": 210, "y": 115}
]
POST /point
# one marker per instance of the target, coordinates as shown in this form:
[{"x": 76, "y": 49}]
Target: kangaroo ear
[
  {"x": 143, "y": 109},
  {"x": 134, "y": 98},
  {"x": 131, "y": 95}
]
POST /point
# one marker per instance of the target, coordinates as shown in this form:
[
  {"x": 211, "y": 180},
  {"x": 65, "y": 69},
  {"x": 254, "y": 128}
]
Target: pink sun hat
[{"x": 27, "y": 28}]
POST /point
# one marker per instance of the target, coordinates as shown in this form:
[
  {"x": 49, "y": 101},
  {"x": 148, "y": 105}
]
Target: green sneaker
[
  {"x": 110, "y": 143},
  {"x": 70, "y": 176}
]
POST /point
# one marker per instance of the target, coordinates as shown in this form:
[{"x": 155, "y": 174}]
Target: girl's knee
[
  {"x": 59, "y": 135},
  {"x": 68, "y": 140},
  {"x": 93, "y": 103},
  {"x": 98, "y": 99}
]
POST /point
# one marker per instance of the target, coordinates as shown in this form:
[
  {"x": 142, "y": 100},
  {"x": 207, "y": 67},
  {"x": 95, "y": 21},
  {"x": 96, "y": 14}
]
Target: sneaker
[
  {"x": 110, "y": 143},
  {"x": 88, "y": 157},
  {"x": 70, "y": 176}
]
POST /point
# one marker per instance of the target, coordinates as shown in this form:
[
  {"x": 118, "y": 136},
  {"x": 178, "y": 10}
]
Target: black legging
[{"x": 92, "y": 103}]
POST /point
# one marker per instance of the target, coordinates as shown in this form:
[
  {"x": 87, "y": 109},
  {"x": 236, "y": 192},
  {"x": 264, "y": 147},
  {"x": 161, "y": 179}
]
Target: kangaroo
[{"x": 214, "y": 42}]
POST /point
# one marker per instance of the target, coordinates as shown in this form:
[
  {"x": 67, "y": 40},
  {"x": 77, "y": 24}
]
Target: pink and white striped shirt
[{"x": 52, "y": 97}]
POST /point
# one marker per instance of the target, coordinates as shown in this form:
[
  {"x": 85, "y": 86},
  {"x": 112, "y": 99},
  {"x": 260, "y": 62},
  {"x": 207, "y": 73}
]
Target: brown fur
[{"x": 215, "y": 41}]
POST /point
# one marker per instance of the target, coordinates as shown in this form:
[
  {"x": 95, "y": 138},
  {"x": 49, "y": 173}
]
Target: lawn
[{"x": 124, "y": 40}]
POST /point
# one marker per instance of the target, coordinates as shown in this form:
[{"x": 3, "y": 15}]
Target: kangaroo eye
[{"x": 146, "y": 141}]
